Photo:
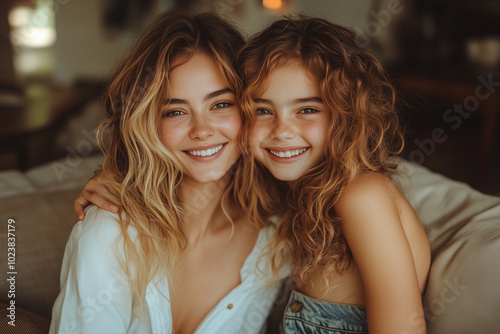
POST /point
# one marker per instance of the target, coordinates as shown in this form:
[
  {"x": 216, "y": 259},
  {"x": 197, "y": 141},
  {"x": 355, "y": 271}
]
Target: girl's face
[
  {"x": 289, "y": 134},
  {"x": 201, "y": 123}
]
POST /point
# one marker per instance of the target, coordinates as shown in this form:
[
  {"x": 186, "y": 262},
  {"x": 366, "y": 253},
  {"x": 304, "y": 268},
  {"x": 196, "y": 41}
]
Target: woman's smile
[{"x": 205, "y": 153}]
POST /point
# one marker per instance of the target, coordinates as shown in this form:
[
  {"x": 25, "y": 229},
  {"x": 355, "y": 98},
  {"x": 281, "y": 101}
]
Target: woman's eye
[
  {"x": 308, "y": 111},
  {"x": 173, "y": 113},
  {"x": 222, "y": 105},
  {"x": 263, "y": 112}
]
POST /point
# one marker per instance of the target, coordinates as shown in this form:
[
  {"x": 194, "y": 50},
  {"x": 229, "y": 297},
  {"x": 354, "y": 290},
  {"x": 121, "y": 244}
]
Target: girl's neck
[{"x": 203, "y": 210}]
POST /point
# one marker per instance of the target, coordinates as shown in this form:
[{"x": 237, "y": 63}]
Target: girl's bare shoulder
[{"x": 370, "y": 188}]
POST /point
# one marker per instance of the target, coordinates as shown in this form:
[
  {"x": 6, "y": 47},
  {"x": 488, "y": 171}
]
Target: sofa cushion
[
  {"x": 26, "y": 322},
  {"x": 15, "y": 183},
  {"x": 43, "y": 223},
  {"x": 463, "y": 227},
  {"x": 67, "y": 173}
]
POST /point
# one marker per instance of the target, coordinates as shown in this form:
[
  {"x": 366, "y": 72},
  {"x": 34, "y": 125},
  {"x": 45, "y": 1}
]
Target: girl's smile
[
  {"x": 286, "y": 154},
  {"x": 289, "y": 133}
]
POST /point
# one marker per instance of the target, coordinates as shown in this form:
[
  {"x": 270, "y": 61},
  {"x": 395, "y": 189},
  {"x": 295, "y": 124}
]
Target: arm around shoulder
[
  {"x": 373, "y": 230},
  {"x": 95, "y": 295}
]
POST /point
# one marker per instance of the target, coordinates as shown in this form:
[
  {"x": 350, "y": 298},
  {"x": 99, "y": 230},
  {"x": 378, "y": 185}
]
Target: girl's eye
[
  {"x": 222, "y": 105},
  {"x": 308, "y": 111},
  {"x": 173, "y": 113},
  {"x": 263, "y": 112}
]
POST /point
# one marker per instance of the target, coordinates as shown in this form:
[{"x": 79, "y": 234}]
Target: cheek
[
  {"x": 318, "y": 134},
  {"x": 170, "y": 136},
  {"x": 253, "y": 137},
  {"x": 231, "y": 126},
  {"x": 323, "y": 136},
  {"x": 256, "y": 134},
  {"x": 256, "y": 137}
]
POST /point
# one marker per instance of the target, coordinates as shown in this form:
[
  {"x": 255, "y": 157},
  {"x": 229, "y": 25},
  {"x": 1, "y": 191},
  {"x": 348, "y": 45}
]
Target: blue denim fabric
[{"x": 312, "y": 316}]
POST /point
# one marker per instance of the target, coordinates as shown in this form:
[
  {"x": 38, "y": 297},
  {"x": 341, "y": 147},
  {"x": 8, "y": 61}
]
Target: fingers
[
  {"x": 93, "y": 193},
  {"x": 79, "y": 205},
  {"x": 108, "y": 206},
  {"x": 87, "y": 198}
]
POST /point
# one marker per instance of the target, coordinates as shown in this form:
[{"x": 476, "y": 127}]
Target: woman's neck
[{"x": 203, "y": 210}]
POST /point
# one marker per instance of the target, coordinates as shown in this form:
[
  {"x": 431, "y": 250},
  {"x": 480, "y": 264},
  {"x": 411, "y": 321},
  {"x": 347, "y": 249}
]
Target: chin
[
  {"x": 212, "y": 177},
  {"x": 284, "y": 176}
]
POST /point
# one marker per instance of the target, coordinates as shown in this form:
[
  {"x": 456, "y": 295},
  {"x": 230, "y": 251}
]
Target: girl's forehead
[{"x": 289, "y": 77}]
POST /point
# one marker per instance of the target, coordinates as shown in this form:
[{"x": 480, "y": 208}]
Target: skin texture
[
  {"x": 289, "y": 119},
  {"x": 389, "y": 245}
]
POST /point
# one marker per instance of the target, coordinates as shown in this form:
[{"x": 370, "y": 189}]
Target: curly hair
[
  {"x": 363, "y": 134},
  {"x": 143, "y": 176}
]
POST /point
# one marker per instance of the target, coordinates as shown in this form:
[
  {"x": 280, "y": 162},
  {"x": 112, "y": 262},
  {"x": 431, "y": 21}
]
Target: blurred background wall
[{"x": 443, "y": 55}]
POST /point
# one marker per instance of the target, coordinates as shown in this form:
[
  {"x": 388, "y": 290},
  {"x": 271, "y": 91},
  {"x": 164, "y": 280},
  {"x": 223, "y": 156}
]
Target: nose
[
  {"x": 282, "y": 129},
  {"x": 201, "y": 128}
]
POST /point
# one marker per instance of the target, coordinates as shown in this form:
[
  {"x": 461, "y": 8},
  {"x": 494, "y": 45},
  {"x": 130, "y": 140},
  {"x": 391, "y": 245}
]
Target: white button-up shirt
[{"x": 96, "y": 296}]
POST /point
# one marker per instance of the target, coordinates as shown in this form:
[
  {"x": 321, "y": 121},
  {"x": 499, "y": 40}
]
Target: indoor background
[{"x": 443, "y": 55}]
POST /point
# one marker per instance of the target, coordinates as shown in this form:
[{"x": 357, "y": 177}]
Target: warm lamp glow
[
  {"x": 20, "y": 16},
  {"x": 272, "y": 4}
]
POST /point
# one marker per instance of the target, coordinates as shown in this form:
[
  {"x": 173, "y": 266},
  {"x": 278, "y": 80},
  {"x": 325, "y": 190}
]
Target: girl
[
  {"x": 323, "y": 120},
  {"x": 179, "y": 257}
]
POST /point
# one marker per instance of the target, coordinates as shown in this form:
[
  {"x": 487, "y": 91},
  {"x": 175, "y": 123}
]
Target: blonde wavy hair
[
  {"x": 363, "y": 134},
  {"x": 143, "y": 176}
]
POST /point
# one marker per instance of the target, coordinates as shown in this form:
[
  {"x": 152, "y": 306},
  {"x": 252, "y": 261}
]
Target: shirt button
[
  {"x": 230, "y": 306},
  {"x": 296, "y": 306}
]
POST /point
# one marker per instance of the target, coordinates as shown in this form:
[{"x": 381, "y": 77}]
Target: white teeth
[
  {"x": 288, "y": 154},
  {"x": 206, "y": 153}
]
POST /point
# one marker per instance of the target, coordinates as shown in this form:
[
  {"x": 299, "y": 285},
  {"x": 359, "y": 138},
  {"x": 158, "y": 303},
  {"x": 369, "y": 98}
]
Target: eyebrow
[
  {"x": 296, "y": 101},
  {"x": 206, "y": 98},
  {"x": 308, "y": 99}
]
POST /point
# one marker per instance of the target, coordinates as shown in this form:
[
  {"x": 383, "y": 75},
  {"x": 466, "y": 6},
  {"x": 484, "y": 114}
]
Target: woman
[{"x": 179, "y": 257}]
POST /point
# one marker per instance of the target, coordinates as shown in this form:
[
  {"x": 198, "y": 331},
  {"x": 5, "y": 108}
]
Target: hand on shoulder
[{"x": 94, "y": 192}]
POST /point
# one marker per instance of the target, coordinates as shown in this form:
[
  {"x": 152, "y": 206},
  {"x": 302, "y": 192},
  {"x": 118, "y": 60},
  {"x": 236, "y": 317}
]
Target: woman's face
[
  {"x": 201, "y": 123},
  {"x": 289, "y": 133}
]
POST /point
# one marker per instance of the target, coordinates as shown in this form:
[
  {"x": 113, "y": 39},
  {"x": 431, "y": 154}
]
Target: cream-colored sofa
[
  {"x": 463, "y": 226},
  {"x": 40, "y": 201}
]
